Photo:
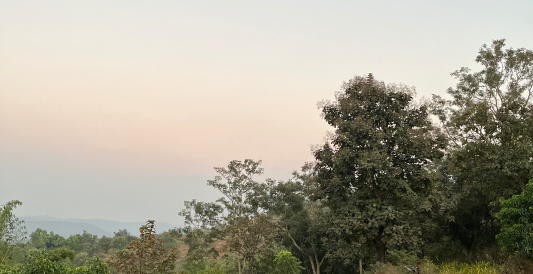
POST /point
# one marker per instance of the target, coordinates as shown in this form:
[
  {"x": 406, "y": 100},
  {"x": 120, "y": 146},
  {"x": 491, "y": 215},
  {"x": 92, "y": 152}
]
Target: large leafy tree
[
  {"x": 516, "y": 216},
  {"x": 372, "y": 172},
  {"x": 489, "y": 121}
]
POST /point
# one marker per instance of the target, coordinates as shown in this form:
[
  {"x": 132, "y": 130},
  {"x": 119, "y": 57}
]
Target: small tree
[
  {"x": 12, "y": 229},
  {"x": 105, "y": 243},
  {"x": 145, "y": 256},
  {"x": 516, "y": 216},
  {"x": 286, "y": 263}
]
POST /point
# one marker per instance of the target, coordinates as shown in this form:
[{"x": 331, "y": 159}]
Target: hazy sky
[{"x": 119, "y": 110}]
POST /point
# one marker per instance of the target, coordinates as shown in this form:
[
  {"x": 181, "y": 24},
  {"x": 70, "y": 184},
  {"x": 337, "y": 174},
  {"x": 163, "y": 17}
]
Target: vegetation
[
  {"x": 516, "y": 216},
  {"x": 442, "y": 182}
]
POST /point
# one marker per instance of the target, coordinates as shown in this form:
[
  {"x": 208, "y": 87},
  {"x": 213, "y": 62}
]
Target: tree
[
  {"x": 238, "y": 217},
  {"x": 200, "y": 230},
  {"x": 41, "y": 239},
  {"x": 105, "y": 243},
  {"x": 146, "y": 255},
  {"x": 489, "y": 122},
  {"x": 88, "y": 242},
  {"x": 516, "y": 216},
  {"x": 372, "y": 173},
  {"x": 246, "y": 228},
  {"x": 12, "y": 229}
]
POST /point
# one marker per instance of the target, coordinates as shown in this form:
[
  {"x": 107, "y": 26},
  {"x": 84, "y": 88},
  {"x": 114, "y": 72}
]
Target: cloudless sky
[{"x": 119, "y": 109}]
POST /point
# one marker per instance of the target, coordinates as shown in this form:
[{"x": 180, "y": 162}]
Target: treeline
[
  {"x": 444, "y": 181},
  {"x": 86, "y": 245},
  {"x": 43, "y": 252}
]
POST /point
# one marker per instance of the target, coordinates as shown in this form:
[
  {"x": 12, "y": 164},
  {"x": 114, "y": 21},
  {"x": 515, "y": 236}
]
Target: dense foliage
[{"x": 516, "y": 216}]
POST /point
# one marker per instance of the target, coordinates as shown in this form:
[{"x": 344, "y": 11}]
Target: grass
[{"x": 427, "y": 267}]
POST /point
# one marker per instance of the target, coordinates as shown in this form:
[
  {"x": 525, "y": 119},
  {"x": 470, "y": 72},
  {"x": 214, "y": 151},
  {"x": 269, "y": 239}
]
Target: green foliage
[
  {"x": 61, "y": 254},
  {"x": 44, "y": 265},
  {"x": 45, "y": 261},
  {"x": 92, "y": 266},
  {"x": 84, "y": 242},
  {"x": 80, "y": 258},
  {"x": 119, "y": 243},
  {"x": 204, "y": 265},
  {"x": 217, "y": 269},
  {"x": 104, "y": 243},
  {"x": 49, "y": 262},
  {"x": 42, "y": 239},
  {"x": 10, "y": 269},
  {"x": 516, "y": 217},
  {"x": 401, "y": 257},
  {"x": 444, "y": 250},
  {"x": 171, "y": 238},
  {"x": 195, "y": 262},
  {"x": 286, "y": 263}
]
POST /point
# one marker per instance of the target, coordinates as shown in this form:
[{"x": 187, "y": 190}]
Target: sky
[{"x": 119, "y": 110}]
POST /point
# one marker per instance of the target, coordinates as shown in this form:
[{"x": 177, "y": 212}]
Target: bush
[
  {"x": 92, "y": 266},
  {"x": 516, "y": 216},
  {"x": 286, "y": 263},
  {"x": 9, "y": 269}
]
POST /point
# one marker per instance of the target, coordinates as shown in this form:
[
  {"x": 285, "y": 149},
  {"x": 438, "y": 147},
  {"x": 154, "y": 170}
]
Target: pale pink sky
[{"x": 100, "y": 98}]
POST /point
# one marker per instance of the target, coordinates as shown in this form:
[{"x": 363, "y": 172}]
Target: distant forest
[{"x": 437, "y": 186}]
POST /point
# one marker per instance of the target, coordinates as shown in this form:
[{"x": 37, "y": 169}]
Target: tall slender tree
[{"x": 12, "y": 229}]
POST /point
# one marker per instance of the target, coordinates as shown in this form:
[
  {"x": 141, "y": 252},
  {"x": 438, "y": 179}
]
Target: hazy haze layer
[{"x": 107, "y": 103}]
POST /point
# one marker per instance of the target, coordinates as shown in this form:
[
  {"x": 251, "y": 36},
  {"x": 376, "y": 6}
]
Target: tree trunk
[
  {"x": 312, "y": 265},
  {"x": 381, "y": 249},
  {"x": 239, "y": 265},
  {"x": 360, "y": 266}
]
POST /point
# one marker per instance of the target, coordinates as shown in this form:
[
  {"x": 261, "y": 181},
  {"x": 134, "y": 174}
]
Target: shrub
[
  {"x": 516, "y": 216},
  {"x": 286, "y": 263}
]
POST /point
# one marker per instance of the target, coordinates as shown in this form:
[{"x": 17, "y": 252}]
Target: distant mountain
[
  {"x": 65, "y": 229},
  {"x": 100, "y": 227}
]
